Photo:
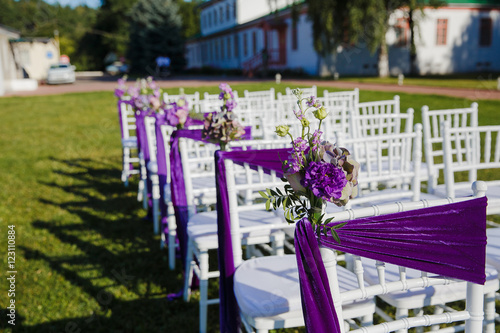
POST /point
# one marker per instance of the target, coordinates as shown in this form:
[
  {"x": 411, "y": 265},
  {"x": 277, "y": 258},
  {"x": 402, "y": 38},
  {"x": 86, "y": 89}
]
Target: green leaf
[
  {"x": 329, "y": 220},
  {"x": 268, "y": 204},
  {"x": 338, "y": 226},
  {"x": 263, "y": 194},
  {"x": 335, "y": 235}
]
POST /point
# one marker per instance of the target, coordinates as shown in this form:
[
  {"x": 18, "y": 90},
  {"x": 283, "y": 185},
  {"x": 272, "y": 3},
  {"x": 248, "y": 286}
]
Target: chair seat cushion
[
  {"x": 268, "y": 286},
  {"x": 419, "y": 297},
  {"x": 202, "y": 227},
  {"x": 493, "y": 247}
]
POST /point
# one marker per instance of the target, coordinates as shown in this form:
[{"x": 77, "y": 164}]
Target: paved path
[{"x": 109, "y": 84}]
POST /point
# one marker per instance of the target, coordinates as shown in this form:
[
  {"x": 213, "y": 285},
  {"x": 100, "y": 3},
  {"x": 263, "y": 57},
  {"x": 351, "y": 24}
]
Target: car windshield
[{"x": 60, "y": 66}]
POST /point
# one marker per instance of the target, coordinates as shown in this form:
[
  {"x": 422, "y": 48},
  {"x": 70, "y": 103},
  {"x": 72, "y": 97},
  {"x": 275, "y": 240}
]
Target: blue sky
[{"x": 74, "y": 3}]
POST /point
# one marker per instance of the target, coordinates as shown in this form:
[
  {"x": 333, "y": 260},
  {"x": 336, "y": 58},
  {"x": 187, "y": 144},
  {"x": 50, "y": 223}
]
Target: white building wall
[
  {"x": 304, "y": 57},
  {"x": 249, "y": 10},
  {"x": 462, "y": 52},
  {"x": 36, "y": 57},
  {"x": 8, "y": 72}
]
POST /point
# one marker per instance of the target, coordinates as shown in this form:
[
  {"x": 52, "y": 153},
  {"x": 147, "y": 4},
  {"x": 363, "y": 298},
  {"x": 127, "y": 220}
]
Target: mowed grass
[
  {"x": 485, "y": 81},
  {"x": 86, "y": 257}
]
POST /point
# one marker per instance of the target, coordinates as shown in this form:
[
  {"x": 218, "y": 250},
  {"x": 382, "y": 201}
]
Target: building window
[
  {"x": 234, "y": 10},
  {"x": 254, "y": 39},
  {"x": 228, "y": 47},
  {"x": 236, "y": 46},
  {"x": 485, "y": 32},
  {"x": 227, "y": 12},
  {"x": 221, "y": 12},
  {"x": 215, "y": 16},
  {"x": 402, "y": 29},
  {"x": 245, "y": 45},
  {"x": 442, "y": 31},
  {"x": 210, "y": 19},
  {"x": 295, "y": 41}
]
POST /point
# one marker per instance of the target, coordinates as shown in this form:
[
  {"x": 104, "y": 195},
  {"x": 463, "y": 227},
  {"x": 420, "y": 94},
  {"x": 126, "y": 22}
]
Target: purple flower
[
  {"x": 225, "y": 91},
  {"x": 313, "y": 102},
  {"x": 325, "y": 180},
  {"x": 316, "y": 140},
  {"x": 230, "y": 105},
  {"x": 119, "y": 92},
  {"x": 300, "y": 144},
  {"x": 299, "y": 114}
]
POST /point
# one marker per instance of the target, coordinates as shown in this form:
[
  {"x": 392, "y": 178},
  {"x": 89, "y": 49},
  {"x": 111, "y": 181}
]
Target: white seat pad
[
  {"x": 268, "y": 286},
  {"x": 419, "y": 297},
  {"x": 202, "y": 227},
  {"x": 493, "y": 247}
]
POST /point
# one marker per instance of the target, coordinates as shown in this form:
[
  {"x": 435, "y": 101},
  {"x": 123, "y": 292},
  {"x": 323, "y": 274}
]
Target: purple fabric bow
[{"x": 449, "y": 242}]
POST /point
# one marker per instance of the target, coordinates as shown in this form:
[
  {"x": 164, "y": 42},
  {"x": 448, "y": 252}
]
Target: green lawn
[
  {"x": 86, "y": 258},
  {"x": 471, "y": 81}
]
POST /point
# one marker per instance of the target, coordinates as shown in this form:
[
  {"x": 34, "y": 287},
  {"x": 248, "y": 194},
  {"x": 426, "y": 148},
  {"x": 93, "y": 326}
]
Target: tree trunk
[
  {"x": 413, "y": 49},
  {"x": 383, "y": 59}
]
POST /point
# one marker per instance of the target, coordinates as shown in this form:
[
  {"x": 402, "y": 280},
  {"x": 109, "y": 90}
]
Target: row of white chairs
[{"x": 390, "y": 159}]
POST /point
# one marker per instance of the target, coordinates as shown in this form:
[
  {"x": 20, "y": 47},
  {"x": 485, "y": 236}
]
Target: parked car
[
  {"x": 116, "y": 68},
  {"x": 61, "y": 73}
]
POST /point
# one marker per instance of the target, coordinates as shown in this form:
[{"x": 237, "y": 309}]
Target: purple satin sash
[
  {"x": 450, "y": 243},
  {"x": 161, "y": 160},
  {"x": 269, "y": 159}
]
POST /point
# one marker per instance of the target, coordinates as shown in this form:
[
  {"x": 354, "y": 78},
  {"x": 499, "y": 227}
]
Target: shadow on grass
[{"x": 107, "y": 251}]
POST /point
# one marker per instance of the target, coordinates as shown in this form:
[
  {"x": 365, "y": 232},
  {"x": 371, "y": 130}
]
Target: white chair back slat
[
  {"x": 433, "y": 150},
  {"x": 149, "y": 124},
  {"x": 470, "y": 149},
  {"x": 306, "y": 92}
]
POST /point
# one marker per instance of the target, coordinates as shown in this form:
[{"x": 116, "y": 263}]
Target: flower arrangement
[
  {"x": 144, "y": 95},
  {"x": 317, "y": 171},
  {"x": 177, "y": 113},
  {"x": 222, "y": 127}
]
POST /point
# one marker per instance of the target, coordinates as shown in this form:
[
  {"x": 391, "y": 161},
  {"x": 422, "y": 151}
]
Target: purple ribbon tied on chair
[{"x": 448, "y": 242}]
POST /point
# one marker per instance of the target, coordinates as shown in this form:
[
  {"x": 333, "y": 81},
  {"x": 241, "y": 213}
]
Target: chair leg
[
  {"x": 419, "y": 312},
  {"x": 489, "y": 313},
  {"x": 203, "y": 290},
  {"x": 402, "y": 313},
  {"x": 188, "y": 272},
  {"x": 172, "y": 233},
  {"x": 140, "y": 191},
  {"x": 156, "y": 216}
]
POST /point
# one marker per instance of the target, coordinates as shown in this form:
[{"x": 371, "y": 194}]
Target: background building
[{"x": 460, "y": 37}]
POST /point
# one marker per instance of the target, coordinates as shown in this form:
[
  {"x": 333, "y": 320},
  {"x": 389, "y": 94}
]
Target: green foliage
[
  {"x": 36, "y": 18},
  {"x": 155, "y": 30},
  {"x": 190, "y": 14}
]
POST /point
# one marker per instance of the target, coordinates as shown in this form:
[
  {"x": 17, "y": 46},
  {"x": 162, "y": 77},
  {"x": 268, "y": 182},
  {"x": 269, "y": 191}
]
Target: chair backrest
[
  {"x": 149, "y": 124},
  {"x": 469, "y": 149},
  {"x": 433, "y": 137},
  {"x": 198, "y": 168},
  {"x": 255, "y": 179},
  {"x": 372, "y": 124},
  {"x": 306, "y": 92},
  {"x": 389, "y": 166},
  {"x": 211, "y": 102},
  {"x": 127, "y": 119},
  {"x": 263, "y": 94},
  {"x": 352, "y": 97},
  {"x": 472, "y": 314},
  {"x": 193, "y": 100}
]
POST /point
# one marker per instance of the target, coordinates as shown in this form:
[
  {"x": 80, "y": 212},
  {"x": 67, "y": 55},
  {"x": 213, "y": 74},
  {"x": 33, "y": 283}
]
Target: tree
[
  {"x": 155, "y": 30},
  {"x": 336, "y": 22},
  {"x": 190, "y": 14}
]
